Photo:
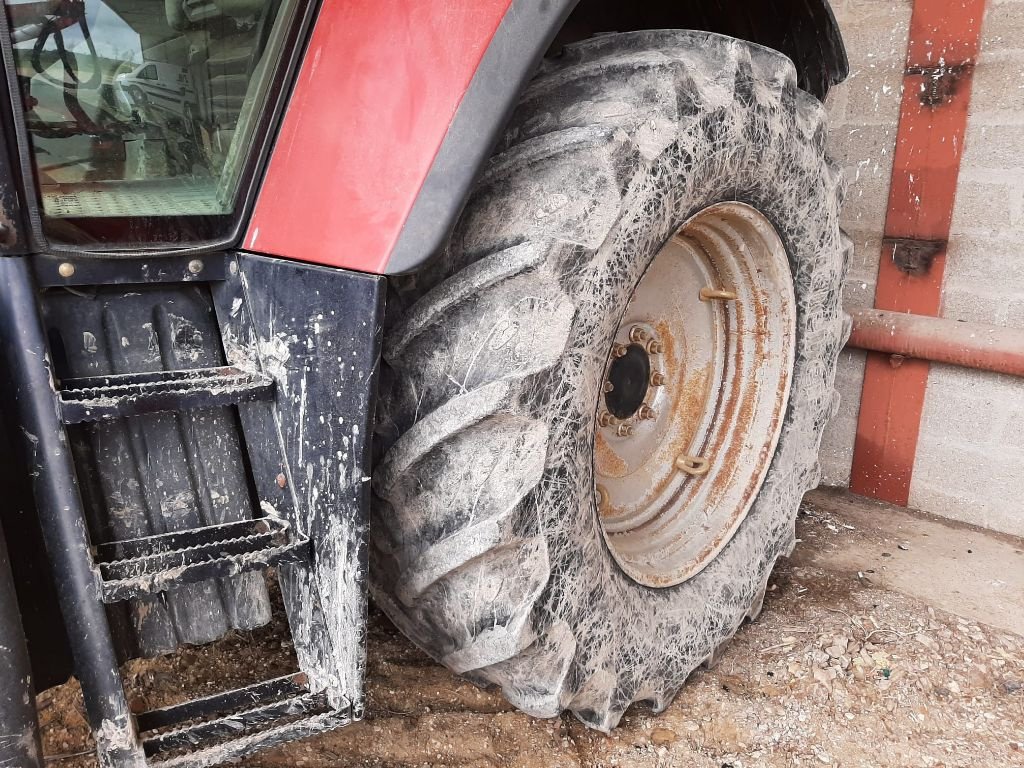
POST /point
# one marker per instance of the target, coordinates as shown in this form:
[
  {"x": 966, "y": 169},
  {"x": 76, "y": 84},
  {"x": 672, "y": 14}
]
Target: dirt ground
[{"x": 838, "y": 671}]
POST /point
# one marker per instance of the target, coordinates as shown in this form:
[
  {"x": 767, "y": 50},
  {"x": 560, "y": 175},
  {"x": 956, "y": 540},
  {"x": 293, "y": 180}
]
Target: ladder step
[
  {"x": 221, "y": 704},
  {"x": 238, "y": 748},
  {"x": 188, "y": 537},
  {"x": 241, "y": 725},
  {"x": 99, "y": 398},
  {"x": 159, "y": 563}
]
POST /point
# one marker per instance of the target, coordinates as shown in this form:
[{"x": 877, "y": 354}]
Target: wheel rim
[{"x": 694, "y": 394}]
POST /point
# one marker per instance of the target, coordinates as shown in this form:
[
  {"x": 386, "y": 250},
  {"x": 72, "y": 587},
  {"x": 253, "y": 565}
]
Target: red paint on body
[
  {"x": 944, "y": 37},
  {"x": 377, "y": 89}
]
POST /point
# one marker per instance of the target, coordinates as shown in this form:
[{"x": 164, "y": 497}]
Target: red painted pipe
[{"x": 970, "y": 345}]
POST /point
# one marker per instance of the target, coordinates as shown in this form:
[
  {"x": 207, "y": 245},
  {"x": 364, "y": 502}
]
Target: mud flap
[{"x": 317, "y": 333}]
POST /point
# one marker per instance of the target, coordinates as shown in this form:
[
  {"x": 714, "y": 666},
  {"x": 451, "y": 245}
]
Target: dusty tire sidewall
[{"x": 754, "y": 156}]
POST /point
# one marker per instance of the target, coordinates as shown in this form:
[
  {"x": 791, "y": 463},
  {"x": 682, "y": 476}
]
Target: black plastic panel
[
  {"x": 317, "y": 333},
  {"x": 158, "y": 472},
  {"x": 217, "y": 430},
  {"x": 804, "y": 30}
]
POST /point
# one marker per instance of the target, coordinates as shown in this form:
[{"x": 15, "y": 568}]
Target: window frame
[{"x": 162, "y": 234}]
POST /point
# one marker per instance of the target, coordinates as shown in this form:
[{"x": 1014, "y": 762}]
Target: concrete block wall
[
  {"x": 863, "y": 114},
  {"x": 970, "y": 457}
]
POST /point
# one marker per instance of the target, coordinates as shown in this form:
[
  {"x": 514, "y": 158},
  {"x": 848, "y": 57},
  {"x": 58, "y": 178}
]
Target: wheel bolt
[
  {"x": 605, "y": 419},
  {"x": 713, "y": 294},
  {"x": 618, "y": 350},
  {"x": 603, "y": 500},
  {"x": 657, "y": 379},
  {"x": 638, "y": 334},
  {"x": 655, "y": 347},
  {"x": 646, "y": 413},
  {"x": 624, "y": 430},
  {"x": 695, "y": 466},
  {"x": 608, "y": 387}
]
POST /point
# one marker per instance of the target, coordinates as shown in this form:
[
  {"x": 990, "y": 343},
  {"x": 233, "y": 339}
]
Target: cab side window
[{"x": 143, "y": 108}]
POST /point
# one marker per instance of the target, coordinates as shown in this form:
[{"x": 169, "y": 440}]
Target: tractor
[{"x": 519, "y": 317}]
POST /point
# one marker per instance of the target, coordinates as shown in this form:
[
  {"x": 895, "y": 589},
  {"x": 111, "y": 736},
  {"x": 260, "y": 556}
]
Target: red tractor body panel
[{"x": 377, "y": 89}]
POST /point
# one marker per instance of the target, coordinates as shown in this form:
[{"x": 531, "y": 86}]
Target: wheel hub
[
  {"x": 629, "y": 378},
  {"x": 694, "y": 394}
]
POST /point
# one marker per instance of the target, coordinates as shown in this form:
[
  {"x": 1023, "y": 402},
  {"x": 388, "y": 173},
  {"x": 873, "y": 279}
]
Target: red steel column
[{"x": 945, "y": 37}]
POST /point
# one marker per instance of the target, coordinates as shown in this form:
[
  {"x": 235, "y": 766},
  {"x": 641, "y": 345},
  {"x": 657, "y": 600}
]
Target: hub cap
[{"x": 694, "y": 394}]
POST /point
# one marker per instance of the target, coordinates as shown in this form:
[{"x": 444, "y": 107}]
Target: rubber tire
[{"x": 486, "y": 547}]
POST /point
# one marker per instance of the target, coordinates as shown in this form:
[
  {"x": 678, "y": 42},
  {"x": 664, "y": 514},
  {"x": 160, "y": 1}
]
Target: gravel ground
[{"x": 836, "y": 671}]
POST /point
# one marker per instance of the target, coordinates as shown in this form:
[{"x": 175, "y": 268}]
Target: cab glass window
[{"x": 144, "y": 115}]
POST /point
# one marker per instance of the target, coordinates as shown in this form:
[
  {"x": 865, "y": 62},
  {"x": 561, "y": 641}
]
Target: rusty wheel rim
[{"x": 680, "y": 455}]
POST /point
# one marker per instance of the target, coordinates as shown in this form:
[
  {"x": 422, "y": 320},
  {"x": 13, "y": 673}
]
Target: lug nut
[
  {"x": 608, "y": 387},
  {"x": 605, "y": 419},
  {"x": 655, "y": 347},
  {"x": 646, "y": 413},
  {"x": 638, "y": 334},
  {"x": 657, "y": 379},
  {"x": 618, "y": 350},
  {"x": 624, "y": 430}
]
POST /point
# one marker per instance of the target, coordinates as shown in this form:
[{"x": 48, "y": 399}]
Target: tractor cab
[
  {"x": 600, "y": 396},
  {"x": 182, "y": 487}
]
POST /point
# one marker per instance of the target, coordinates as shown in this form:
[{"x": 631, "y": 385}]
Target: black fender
[{"x": 804, "y": 30}]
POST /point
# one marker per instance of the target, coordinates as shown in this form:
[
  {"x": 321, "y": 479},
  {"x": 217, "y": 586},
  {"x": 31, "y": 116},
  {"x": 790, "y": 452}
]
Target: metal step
[
  {"x": 220, "y": 704},
  {"x": 159, "y": 563},
  {"x": 233, "y": 723},
  {"x": 140, "y": 461},
  {"x": 100, "y": 398}
]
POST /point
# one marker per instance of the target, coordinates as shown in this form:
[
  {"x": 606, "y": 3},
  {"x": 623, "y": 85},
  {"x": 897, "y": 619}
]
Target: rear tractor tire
[{"x": 607, "y": 394}]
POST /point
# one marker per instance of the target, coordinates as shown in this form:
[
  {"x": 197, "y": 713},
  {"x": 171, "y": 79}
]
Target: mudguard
[{"x": 397, "y": 106}]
